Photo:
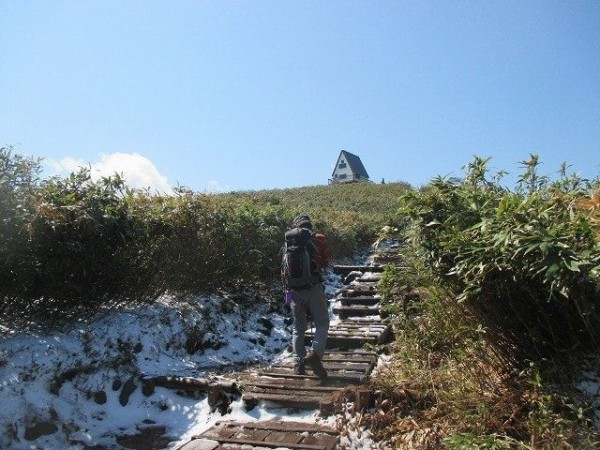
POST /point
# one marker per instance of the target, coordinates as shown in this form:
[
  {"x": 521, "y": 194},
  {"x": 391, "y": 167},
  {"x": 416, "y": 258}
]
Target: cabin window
[
  {"x": 342, "y": 165},
  {"x": 342, "y": 176}
]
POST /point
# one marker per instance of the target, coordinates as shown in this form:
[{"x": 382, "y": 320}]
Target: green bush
[
  {"x": 18, "y": 184},
  {"x": 527, "y": 262},
  {"x": 77, "y": 242},
  {"x": 76, "y": 237}
]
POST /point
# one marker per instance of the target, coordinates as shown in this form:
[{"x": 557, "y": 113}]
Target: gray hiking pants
[{"x": 313, "y": 301}]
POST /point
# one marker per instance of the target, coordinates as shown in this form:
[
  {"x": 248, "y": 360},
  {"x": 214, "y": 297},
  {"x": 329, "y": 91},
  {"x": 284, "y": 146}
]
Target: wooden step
[
  {"x": 266, "y": 434},
  {"x": 359, "y": 300},
  {"x": 189, "y": 384},
  {"x": 354, "y": 333},
  {"x": 341, "y": 378},
  {"x": 281, "y": 388},
  {"x": 389, "y": 258},
  {"x": 346, "y": 269},
  {"x": 343, "y": 368},
  {"x": 369, "y": 278},
  {"x": 356, "y": 290},
  {"x": 286, "y": 400},
  {"x": 357, "y": 310},
  {"x": 262, "y": 383},
  {"x": 338, "y": 365},
  {"x": 366, "y": 284},
  {"x": 355, "y": 355}
]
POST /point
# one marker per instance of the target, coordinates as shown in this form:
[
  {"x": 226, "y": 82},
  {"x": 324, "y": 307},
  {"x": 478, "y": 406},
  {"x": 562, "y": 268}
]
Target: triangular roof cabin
[{"x": 348, "y": 168}]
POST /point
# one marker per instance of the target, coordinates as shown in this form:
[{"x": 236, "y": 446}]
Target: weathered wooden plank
[
  {"x": 281, "y": 437},
  {"x": 341, "y": 378},
  {"x": 352, "y": 323},
  {"x": 332, "y": 360},
  {"x": 356, "y": 329},
  {"x": 359, "y": 296},
  {"x": 285, "y": 400},
  {"x": 362, "y": 329},
  {"x": 347, "y": 367},
  {"x": 346, "y": 311},
  {"x": 191, "y": 383},
  {"x": 299, "y": 383},
  {"x": 262, "y": 444},
  {"x": 324, "y": 403},
  {"x": 349, "y": 342},
  {"x": 334, "y": 365},
  {"x": 221, "y": 432},
  {"x": 355, "y": 293},
  {"x": 355, "y": 323},
  {"x": 357, "y": 289},
  {"x": 358, "y": 332},
  {"x": 336, "y": 377},
  {"x": 290, "y": 393},
  {"x": 359, "y": 328},
  {"x": 265, "y": 383},
  {"x": 364, "y": 286},
  {"x": 346, "y": 269},
  {"x": 369, "y": 278},
  {"x": 252, "y": 434},
  {"x": 202, "y": 444},
  {"x": 350, "y": 358},
  {"x": 357, "y": 354},
  {"x": 350, "y": 337},
  {"x": 349, "y": 301},
  {"x": 358, "y": 322},
  {"x": 278, "y": 425},
  {"x": 388, "y": 258},
  {"x": 366, "y": 308},
  {"x": 329, "y": 441},
  {"x": 346, "y": 342},
  {"x": 379, "y": 335}
]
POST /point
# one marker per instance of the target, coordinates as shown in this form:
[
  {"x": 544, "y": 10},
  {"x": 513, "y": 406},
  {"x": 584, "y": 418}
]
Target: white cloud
[
  {"x": 137, "y": 170},
  {"x": 215, "y": 187},
  {"x": 65, "y": 165}
]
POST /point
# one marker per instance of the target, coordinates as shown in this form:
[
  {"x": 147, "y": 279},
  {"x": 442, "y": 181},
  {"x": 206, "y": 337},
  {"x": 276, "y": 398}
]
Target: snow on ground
[
  {"x": 589, "y": 385},
  {"x": 100, "y": 354},
  {"x": 64, "y": 389}
]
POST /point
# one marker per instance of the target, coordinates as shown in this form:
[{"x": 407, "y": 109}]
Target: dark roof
[{"x": 355, "y": 164}]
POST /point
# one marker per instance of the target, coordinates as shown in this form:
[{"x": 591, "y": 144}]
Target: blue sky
[{"x": 243, "y": 95}]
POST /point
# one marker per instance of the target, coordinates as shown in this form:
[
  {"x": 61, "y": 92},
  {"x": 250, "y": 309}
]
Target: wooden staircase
[{"x": 354, "y": 336}]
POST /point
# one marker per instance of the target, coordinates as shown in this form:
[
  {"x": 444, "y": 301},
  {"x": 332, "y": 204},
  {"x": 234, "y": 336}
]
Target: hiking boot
[
  {"x": 300, "y": 367},
  {"x": 315, "y": 364}
]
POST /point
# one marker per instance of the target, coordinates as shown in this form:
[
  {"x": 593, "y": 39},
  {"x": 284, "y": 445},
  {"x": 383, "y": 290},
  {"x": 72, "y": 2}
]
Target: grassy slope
[{"x": 351, "y": 215}]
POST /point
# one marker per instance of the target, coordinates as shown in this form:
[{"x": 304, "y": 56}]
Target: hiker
[{"x": 305, "y": 255}]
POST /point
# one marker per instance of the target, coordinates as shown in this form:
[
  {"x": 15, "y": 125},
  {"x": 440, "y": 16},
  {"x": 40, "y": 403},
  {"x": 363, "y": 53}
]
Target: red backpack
[{"x": 321, "y": 255}]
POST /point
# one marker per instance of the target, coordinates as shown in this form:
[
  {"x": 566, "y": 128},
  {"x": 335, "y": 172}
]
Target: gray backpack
[{"x": 298, "y": 268}]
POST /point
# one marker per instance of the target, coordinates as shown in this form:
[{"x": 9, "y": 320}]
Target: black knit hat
[{"x": 302, "y": 221}]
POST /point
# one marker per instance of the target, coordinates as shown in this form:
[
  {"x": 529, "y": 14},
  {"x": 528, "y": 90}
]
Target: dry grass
[
  {"x": 447, "y": 388},
  {"x": 591, "y": 205}
]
